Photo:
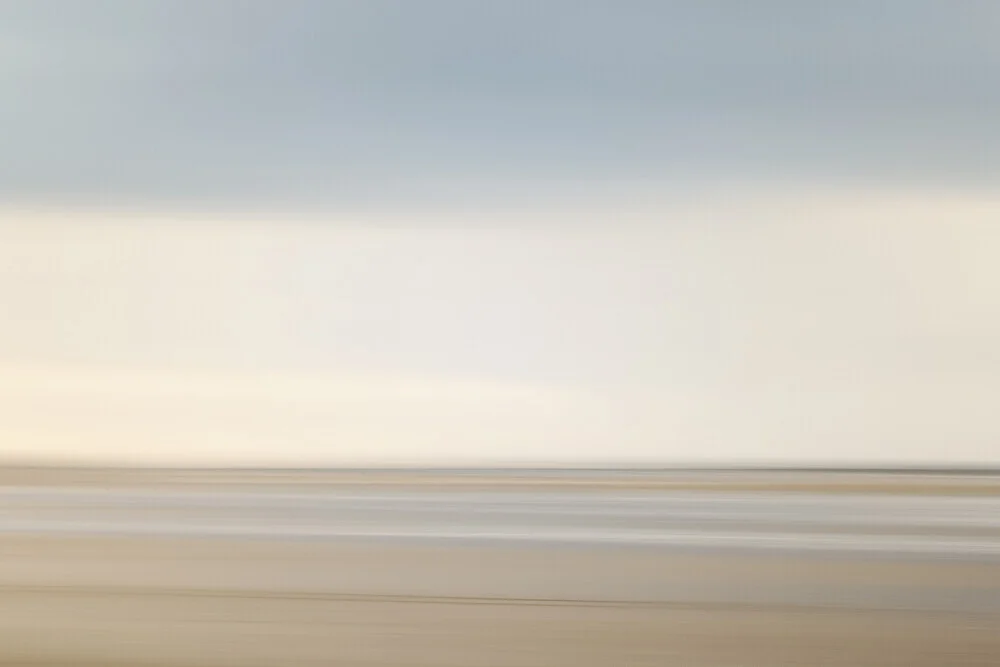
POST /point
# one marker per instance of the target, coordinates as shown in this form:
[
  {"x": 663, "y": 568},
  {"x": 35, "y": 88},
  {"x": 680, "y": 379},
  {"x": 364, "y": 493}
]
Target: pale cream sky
[{"x": 796, "y": 327}]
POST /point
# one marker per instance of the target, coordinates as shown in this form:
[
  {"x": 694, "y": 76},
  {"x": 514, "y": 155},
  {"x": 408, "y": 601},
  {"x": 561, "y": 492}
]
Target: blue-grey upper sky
[{"x": 343, "y": 105}]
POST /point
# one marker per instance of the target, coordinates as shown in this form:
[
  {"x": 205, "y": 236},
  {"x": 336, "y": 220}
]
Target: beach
[{"x": 207, "y": 576}]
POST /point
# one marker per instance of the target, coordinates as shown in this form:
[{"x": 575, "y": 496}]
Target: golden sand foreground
[
  {"x": 103, "y": 602},
  {"x": 107, "y": 630}
]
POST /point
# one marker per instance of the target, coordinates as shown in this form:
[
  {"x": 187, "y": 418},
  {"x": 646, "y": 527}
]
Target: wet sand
[
  {"x": 200, "y": 603},
  {"x": 107, "y": 630}
]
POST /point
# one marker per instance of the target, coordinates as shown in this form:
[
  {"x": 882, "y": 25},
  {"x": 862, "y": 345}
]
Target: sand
[{"x": 96, "y": 602}]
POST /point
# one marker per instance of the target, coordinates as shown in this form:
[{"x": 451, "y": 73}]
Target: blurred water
[{"x": 942, "y": 526}]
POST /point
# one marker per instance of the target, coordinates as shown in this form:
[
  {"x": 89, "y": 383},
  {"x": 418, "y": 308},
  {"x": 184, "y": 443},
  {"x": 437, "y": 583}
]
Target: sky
[{"x": 326, "y": 232}]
